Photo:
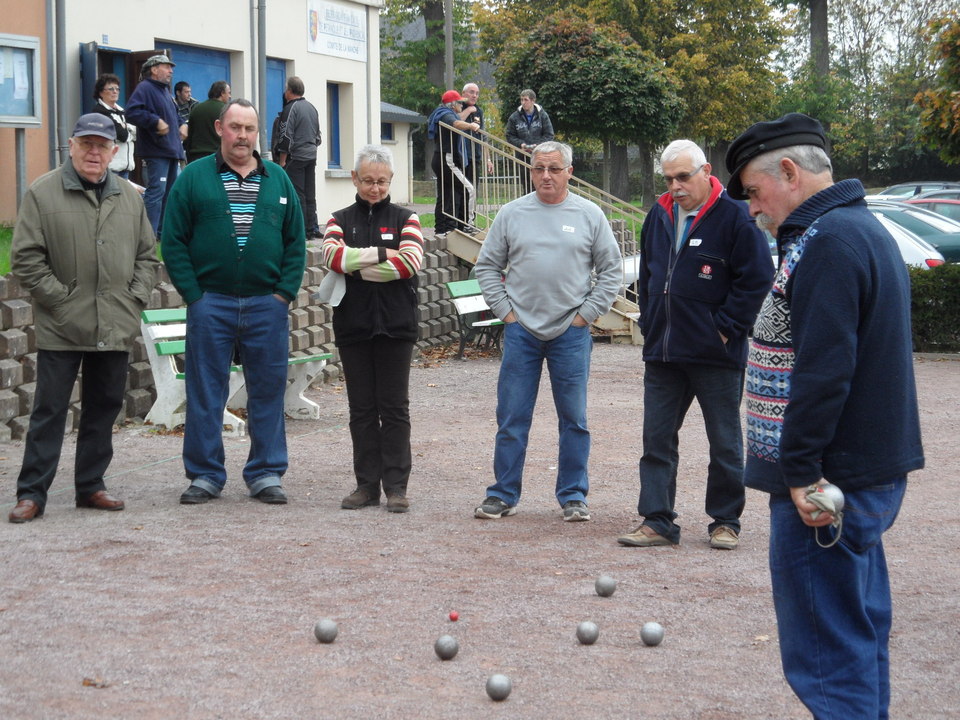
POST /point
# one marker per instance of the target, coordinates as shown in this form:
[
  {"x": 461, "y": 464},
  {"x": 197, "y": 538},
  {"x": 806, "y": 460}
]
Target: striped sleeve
[
  {"x": 340, "y": 258},
  {"x": 409, "y": 258}
]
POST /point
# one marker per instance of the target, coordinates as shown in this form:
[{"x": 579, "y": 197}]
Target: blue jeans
[
  {"x": 833, "y": 605},
  {"x": 568, "y": 362},
  {"x": 257, "y": 327},
  {"x": 158, "y": 177},
  {"x": 668, "y": 391}
]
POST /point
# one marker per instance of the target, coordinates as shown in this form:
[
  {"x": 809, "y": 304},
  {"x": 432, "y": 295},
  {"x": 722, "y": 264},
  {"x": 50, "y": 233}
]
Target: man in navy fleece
[
  {"x": 704, "y": 271},
  {"x": 830, "y": 396}
]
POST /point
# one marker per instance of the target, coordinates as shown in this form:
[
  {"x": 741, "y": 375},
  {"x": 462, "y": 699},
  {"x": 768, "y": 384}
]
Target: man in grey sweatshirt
[{"x": 553, "y": 242}]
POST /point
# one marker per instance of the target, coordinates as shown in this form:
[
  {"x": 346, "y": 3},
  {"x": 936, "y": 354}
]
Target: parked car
[
  {"x": 941, "y": 232},
  {"x": 939, "y": 194},
  {"x": 916, "y": 251},
  {"x": 947, "y": 208},
  {"x": 906, "y": 190}
]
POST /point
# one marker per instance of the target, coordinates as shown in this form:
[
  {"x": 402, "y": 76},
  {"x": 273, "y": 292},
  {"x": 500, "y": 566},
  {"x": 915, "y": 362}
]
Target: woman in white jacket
[{"x": 107, "y": 92}]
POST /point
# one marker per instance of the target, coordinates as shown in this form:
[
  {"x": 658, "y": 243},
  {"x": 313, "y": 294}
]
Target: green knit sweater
[{"x": 199, "y": 241}]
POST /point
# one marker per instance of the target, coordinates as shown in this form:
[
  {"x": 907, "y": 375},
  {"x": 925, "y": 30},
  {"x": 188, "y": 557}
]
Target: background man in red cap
[
  {"x": 84, "y": 249},
  {"x": 454, "y": 190},
  {"x": 830, "y": 396}
]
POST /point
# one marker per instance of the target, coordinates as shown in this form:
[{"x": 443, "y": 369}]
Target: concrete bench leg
[{"x": 299, "y": 377}]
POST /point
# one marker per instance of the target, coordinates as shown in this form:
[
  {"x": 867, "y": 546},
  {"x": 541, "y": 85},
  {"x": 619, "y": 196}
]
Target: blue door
[
  {"x": 276, "y": 82},
  {"x": 201, "y": 67}
]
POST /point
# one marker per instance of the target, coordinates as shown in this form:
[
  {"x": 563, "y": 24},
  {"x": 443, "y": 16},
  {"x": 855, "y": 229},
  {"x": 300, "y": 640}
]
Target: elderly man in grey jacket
[{"x": 84, "y": 249}]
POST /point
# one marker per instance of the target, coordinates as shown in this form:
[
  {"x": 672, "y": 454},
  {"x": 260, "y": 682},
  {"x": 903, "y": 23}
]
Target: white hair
[
  {"x": 683, "y": 147},
  {"x": 566, "y": 152},
  {"x": 375, "y": 155}
]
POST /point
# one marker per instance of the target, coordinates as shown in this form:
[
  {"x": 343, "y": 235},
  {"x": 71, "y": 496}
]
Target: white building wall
[{"x": 229, "y": 25}]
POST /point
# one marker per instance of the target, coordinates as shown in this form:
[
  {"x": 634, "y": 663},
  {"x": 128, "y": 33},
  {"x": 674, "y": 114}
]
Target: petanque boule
[
  {"x": 446, "y": 647},
  {"x": 326, "y": 630},
  {"x": 605, "y": 586},
  {"x": 499, "y": 687},
  {"x": 587, "y": 632},
  {"x": 651, "y": 633}
]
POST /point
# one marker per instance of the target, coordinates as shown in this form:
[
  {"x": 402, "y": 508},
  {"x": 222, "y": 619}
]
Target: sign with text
[{"x": 337, "y": 30}]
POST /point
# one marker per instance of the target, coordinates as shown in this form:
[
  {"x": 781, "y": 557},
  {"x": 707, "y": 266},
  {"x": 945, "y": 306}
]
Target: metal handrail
[{"x": 509, "y": 179}]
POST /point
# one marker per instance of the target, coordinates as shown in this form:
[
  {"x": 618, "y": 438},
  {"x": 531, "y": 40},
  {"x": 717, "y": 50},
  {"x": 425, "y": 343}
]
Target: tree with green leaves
[
  {"x": 595, "y": 82},
  {"x": 940, "y": 105},
  {"x": 412, "y": 55}
]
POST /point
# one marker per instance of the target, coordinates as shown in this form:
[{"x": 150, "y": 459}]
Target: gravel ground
[{"x": 170, "y": 611}]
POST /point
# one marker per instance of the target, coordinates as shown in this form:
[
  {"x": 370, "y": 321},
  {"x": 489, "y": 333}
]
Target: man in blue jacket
[
  {"x": 830, "y": 396},
  {"x": 704, "y": 271},
  {"x": 160, "y": 140}
]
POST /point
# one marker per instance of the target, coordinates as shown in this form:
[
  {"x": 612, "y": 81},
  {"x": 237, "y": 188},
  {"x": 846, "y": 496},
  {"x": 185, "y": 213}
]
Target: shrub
[{"x": 936, "y": 308}]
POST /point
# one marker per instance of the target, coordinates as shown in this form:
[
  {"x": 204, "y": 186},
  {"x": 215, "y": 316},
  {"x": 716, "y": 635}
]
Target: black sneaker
[
  {"x": 194, "y": 495},
  {"x": 272, "y": 495},
  {"x": 575, "y": 511},
  {"x": 493, "y": 508}
]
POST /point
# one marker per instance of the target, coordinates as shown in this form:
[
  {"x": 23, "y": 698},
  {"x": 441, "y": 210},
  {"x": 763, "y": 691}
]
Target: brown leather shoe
[
  {"x": 25, "y": 511},
  {"x": 100, "y": 501}
]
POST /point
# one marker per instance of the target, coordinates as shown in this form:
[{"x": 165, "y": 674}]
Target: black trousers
[
  {"x": 303, "y": 175},
  {"x": 102, "y": 384},
  {"x": 377, "y": 373},
  {"x": 450, "y": 211}
]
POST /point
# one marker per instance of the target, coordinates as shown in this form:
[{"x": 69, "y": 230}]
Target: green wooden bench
[
  {"x": 164, "y": 334},
  {"x": 475, "y": 320}
]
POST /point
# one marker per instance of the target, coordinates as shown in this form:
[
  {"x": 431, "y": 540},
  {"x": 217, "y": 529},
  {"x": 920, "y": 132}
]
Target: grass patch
[{"x": 6, "y": 237}]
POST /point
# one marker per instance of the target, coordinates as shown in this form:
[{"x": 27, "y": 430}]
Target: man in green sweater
[{"x": 233, "y": 245}]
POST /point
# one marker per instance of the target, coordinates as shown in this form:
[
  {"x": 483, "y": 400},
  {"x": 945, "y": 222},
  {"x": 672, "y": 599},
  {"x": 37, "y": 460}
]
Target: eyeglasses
[
  {"x": 370, "y": 182},
  {"x": 540, "y": 170},
  {"x": 112, "y": 88},
  {"x": 681, "y": 178},
  {"x": 90, "y": 145}
]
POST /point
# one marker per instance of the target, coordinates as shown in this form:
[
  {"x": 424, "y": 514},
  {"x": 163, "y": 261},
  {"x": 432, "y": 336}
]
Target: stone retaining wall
[{"x": 311, "y": 331}]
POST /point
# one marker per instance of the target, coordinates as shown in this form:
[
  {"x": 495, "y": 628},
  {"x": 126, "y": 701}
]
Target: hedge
[{"x": 936, "y": 308}]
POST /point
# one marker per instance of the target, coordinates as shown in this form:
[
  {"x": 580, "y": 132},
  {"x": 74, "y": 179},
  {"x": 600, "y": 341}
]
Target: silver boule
[
  {"x": 587, "y": 632},
  {"x": 651, "y": 633},
  {"x": 605, "y": 586},
  {"x": 499, "y": 687},
  {"x": 326, "y": 630},
  {"x": 446, "y": 647}
]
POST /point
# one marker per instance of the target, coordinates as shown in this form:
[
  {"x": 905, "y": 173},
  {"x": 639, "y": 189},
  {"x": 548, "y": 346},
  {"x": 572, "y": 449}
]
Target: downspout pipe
[
  {"x": 51, "y": 113},
  {"x": 262, "y": 72},
  {"x": 62, "y": 112}
]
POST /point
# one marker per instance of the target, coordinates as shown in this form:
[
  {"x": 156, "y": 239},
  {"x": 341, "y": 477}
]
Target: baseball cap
[
  {"x": 160, "y": 59},
  {"x": 450, "y": 96},
  {"x": 791, "y": 129},
  {"x": 95, "y": 124}
]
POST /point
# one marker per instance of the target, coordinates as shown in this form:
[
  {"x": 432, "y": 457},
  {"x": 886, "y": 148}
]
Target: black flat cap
[{"x": 791, "y": 129}]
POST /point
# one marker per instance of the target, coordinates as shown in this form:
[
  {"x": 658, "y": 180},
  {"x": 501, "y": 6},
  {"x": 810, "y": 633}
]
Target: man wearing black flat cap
[
  {"x": 830, "y": 397},
  {"x": 84, "y": 249}
]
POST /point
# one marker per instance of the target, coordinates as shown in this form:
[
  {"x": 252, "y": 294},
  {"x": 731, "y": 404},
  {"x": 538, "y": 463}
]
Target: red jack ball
[{"x": 454, "y": 615}]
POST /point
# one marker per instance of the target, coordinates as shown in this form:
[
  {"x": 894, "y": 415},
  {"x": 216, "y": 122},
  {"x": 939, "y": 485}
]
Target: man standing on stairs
[
  {"x": 705, "y": 270},
  {"x": 562, "y": 277},
  {"x": 454, "y": 191}
]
